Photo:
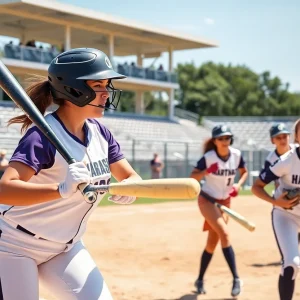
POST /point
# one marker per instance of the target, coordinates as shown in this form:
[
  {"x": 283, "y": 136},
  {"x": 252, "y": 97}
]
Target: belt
[
  {"x": 21, "y": 228},
  {"x": 205, "y": 195}
]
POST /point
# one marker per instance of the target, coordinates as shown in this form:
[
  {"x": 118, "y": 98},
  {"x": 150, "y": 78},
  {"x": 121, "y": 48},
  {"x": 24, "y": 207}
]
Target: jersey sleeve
[
  {"x": 114, "y": 149},
  {"x": 274, "y": 171},
  {"x": 242, "y": 163},
  {"x": 34, "y": 150},
  {"x": 266, "y": 165},
  {"x": 201, "y": 164}
]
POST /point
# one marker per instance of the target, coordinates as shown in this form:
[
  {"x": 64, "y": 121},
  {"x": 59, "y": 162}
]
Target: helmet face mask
[{"x": 68, "y": 74}]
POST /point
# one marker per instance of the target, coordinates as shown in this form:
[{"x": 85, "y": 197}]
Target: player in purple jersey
[{"x": 43, "y": 215}]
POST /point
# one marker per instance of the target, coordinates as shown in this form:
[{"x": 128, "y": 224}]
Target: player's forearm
[
  {"x": 20, "y": 193},
  {"x": 134, "y": 177},
  {"x": 198, "y": 175},
  {"x": 260, "y": 192},
  {"x": 243, "y": 179}
]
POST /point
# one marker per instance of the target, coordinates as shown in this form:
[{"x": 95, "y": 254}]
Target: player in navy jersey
[
  {"x": 43, "y": 215},
  {"x": 219, "y": 165},
  {"x": 285, "y": 214}
]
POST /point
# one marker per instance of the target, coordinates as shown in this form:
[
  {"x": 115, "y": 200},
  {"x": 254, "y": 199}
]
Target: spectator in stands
[
  {"x": 3, "y": 162},
  {"x": 31, "y": 43},
  {"x": 161, "y": 68},
  {"x": 156, "y": 167}
]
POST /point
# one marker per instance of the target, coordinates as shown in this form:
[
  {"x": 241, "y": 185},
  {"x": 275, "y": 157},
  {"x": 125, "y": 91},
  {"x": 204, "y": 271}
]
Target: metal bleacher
[{"x": 146, "y": 132}]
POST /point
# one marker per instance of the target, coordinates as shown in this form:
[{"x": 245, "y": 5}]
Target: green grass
[{"x": 104, "y": 202}]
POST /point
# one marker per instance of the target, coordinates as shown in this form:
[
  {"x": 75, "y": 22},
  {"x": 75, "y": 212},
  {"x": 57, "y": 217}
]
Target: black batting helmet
[{"x": 69, "y": 71}]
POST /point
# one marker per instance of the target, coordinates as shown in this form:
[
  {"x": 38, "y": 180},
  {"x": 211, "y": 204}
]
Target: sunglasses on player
[{"x": 224, "y": 138}]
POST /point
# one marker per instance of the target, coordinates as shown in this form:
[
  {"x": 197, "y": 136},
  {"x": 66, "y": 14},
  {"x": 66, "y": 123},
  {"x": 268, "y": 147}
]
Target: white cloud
[{"x": 209, "y": 21}]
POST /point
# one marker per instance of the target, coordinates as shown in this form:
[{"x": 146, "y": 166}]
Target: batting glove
[
  {"x": 212, "y": 168},
  {"x": 234, "y": 191},
  {"x": 77, "y": 173},
  {"x": 118, "y": 199}
]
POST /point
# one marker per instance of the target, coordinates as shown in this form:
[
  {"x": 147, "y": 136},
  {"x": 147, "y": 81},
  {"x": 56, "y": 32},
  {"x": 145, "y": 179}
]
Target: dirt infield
[{"x": 151, "y": 252}]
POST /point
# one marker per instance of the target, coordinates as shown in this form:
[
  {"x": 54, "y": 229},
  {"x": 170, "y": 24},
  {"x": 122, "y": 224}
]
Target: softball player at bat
[
  {"x": 285, "y": 213},
  {"x": 43, "y": 214},
  {"x": 219, "y": 166}
]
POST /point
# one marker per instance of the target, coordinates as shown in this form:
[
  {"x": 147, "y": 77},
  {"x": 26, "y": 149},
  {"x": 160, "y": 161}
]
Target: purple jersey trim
[
  {"x": 85, "y": 129},
  {"x": 34, "y": 150},
  {"x": 114, "y": 149}
]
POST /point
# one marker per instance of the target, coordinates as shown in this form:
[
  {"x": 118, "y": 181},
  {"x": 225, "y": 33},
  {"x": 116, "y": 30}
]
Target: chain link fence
[{"x": 180, "y": 158}]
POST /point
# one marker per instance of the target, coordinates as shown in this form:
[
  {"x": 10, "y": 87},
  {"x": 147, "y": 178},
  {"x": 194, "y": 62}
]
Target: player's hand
[
  {"x": 234, "y": 191},
  {"x": 77, "y": 174},
  {"x": 119, "y": 199},
  {"x": 212, "y": 168},
  {"x": 283, "y": 202}
]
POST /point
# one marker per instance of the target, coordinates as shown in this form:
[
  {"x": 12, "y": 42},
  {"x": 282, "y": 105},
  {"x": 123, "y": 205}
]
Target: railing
[
  {"x": 146, "y": 73},
  {"x": 46, "y": 56},
  {"x": 185, "y": 114},
  {"x": 29, "y": 53}
]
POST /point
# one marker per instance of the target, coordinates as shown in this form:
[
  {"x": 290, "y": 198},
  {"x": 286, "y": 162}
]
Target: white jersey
[
  {"x": 218, "y": 185},
  {"x": 273, "y": 156},
  {"x": 62, "y": 220},
  {"x": 287, "y": 171}
]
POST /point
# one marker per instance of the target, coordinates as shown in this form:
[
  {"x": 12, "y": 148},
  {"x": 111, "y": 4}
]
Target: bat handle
[{"x": 89, "y": 195}]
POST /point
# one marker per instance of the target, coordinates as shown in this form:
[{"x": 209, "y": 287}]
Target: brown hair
[
  {"x": 296, "y": 125},
  {"x": 209, "y": 145},
  {"x": 39, "y": 92}
]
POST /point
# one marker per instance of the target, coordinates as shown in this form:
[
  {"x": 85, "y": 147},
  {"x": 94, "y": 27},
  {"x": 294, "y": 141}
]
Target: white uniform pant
[
  {"x": 66, "y": 273},
  {"x": 286, "y": 227}
]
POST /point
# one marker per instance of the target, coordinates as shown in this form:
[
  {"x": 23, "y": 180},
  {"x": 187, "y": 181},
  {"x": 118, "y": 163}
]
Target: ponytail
[
  {"x": 40, "y": 94},
  {"x": 209, "y": 145}
]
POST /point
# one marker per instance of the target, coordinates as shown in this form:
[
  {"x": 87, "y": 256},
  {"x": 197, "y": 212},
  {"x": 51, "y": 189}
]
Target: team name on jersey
[
  {"x": 225, "y": 172},
  {"x": 295, "y": 179},
  {"x": 99, "y": 167}
]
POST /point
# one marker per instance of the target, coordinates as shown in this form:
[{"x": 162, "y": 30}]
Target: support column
[
  {"x": 111, "y": 49},
  {"x": 140, "y": 60},
  {"x": 170, "y": 59},
  {"x": 23, "y": 37},
  {"x": 67, "y": 38},
  {"x": 171, "y": 103},
  {"x": 139, "y": 102}
]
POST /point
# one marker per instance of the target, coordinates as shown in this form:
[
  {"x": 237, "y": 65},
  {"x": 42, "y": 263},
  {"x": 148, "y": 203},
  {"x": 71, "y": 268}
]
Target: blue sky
[{"x": 262, "y": 35}]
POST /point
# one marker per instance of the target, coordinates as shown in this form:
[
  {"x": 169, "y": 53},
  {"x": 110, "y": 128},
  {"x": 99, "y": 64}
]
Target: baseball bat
[
  {"x": 170, "y": 188},
  {"x": 233, "y": 214},
  {"x": 15, "y": 91}
]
